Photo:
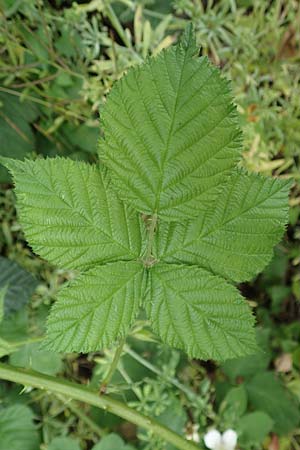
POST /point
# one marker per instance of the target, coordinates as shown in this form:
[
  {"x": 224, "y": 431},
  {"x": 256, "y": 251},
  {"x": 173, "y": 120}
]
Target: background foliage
[{"x": 58, "y": 61}]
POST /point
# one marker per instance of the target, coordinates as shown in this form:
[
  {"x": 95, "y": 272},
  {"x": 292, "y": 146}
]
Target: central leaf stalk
[{"x": 149, "y": 260}]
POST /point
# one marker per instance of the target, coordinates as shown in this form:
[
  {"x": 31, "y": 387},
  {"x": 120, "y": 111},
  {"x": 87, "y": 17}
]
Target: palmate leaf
[
  {"x": 171, "y": 133},
  {"x": 236, "y": 235},
  {"x": 199, "y": 312},
  {"x": 171, "y": 143},
  {"x": 68, "y": 215}
]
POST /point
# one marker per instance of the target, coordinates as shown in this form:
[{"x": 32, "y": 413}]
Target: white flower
[
  {"x": 229, "y": 439},
  {"x": 214, "y": 440}
]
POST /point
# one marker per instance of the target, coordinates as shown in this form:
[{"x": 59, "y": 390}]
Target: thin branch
[
  {"x": 191, "y": 395},
  {"x": 69, "y": 404},
  {"x": 113, "y": 366},
  {"x": 84, "y": 394}
]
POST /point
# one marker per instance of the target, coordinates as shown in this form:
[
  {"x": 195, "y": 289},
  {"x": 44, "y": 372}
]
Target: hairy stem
[{"x": 83, "y": 394}]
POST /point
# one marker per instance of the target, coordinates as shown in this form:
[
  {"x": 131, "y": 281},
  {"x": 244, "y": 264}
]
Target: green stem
[
  {"x": 109, "y": 12},
  {"x": 83, "y": 394},
  {"x": 26, "y": 341},
  {"x": 42, "y": 102},
  {"x": 130, "y": 383},
  {"x": 113, "y": 366},
  {"x": 188, "y": 392}
]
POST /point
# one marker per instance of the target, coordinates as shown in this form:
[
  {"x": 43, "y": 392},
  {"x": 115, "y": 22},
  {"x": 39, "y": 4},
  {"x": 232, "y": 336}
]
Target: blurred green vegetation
[{"x": 58, "y": 61}]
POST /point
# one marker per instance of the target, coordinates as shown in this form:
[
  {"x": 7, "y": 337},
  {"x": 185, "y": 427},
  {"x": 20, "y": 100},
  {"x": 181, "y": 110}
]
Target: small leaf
[
  {"x": 254, "y": 427},
  {"x": 248, "y": 366},
  {"x": 112, "y": 442},
  {"x": 198, "y": 312},
  {"x": 171, "y": 133},
  {"x": 234, "y": 404},
  {"x": 267, "y": 393},
  {"x": 236, "y": 235},
  {"x": 15, "y": 326},
  {"x": 6, "y": 348},
  {"x": 175, "y": 418},
  {"x": 95, "y": 309},
  {"x": 31, "y": 356},
  {"x": 69, "y": 215},
  {"x": 17, "y": 429},
  {"x": 17, "y": 283},
  {"x": 17, "y": 137},
  {"x": 64, "y": 443},
  {"x": 82, "y": 137}
]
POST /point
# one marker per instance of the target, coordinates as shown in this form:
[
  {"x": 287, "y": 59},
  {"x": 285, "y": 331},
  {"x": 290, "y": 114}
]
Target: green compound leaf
[
  {"x": 94, "y": 310},
  {"x": 199, "y": 312},
  {"x": 70, "y": 216},
  {"x": 171, "y": 133},
  {"x": 171, "y": 144},
  {"x": 236, "y": 235}
]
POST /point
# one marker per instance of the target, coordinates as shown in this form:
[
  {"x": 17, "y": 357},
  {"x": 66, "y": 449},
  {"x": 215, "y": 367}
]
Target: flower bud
[
  {"x": 229, "y": 439},
  {"x": 212, "y": 439}
]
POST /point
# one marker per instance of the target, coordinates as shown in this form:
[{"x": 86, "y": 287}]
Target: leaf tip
[
  {"x": 11, "y": 164},
  {"x": 188, "y": 40}
]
